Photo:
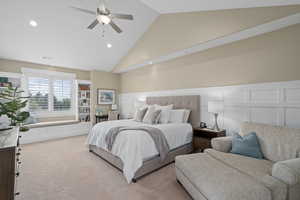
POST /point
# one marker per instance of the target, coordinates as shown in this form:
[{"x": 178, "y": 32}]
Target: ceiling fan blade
[
  {"x": 93, "y": 24},
  {"x": 84, "y": 10},
  {"x": 115, "y": 27},
  {"x": 122, "y": 16}
]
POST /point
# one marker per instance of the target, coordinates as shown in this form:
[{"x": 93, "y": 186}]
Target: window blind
[
  {"x": 62, "y": 91},
  {"x": 38, "y": 89}
]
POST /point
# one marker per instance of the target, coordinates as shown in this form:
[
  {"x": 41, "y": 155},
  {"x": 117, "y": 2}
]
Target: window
[
  {"x": 62, "y": 90},
  {"x": 50, "y": 93},
  {"x": 38, "y": 91}
]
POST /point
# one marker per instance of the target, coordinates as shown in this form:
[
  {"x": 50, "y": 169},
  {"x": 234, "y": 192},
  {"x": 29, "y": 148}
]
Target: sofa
[{"x": 217, "y": 174}]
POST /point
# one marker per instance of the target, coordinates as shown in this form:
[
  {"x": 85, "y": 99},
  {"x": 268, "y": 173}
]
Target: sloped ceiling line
[
  {"x": 177, "y": 6},
  {"x": 237, "y": 36}
]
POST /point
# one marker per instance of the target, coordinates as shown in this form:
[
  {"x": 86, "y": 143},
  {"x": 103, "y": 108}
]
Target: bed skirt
[{"x": 149, "y": 165}]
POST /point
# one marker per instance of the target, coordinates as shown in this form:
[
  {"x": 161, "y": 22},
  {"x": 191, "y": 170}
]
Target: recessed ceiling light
[
  {"x": 108, "y": 45},
  {"x": 33, "y": 23},
  {"x": 150, "y": 62},
  {"x": 46, "y": 58}
]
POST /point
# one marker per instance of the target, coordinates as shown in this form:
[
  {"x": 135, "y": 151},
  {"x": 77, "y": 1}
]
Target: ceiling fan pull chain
[{"x": 103, "y": 30}]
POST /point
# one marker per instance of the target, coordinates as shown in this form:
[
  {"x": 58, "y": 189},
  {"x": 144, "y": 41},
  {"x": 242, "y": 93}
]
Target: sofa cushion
[
  {"x": 277, "y": 143},
  {"x": 258, "y": 169},
  {"x": 246, "y": 146},
  {"x": 288, "y": 171},
  {"x": 217, "y": 181},
  {"x": 251, "y": 166}
]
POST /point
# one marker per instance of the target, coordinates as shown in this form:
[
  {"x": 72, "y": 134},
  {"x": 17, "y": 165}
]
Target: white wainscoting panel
[
  {"x": 275, "y": 103},
  {"x": 292, "y": 117}
]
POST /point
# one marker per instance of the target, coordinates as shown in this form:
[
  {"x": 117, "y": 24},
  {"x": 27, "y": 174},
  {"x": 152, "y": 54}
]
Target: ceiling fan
[{"x": 104, "y": 16}]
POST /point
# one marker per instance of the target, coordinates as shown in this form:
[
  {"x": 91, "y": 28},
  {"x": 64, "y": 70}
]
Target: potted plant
[{"x": 12, "y": 104}]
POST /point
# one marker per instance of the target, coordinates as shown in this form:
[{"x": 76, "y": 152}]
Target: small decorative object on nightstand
[{"x": 203, "y": 136}]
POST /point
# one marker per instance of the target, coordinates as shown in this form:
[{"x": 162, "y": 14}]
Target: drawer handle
[
  {"x": 18, "y": 153},
  {"x": 17, "y": 174},
  {"x": 19, "y": 149},
  {"x": 17, "y": 193},
  {"x": 19, "y": 162}
]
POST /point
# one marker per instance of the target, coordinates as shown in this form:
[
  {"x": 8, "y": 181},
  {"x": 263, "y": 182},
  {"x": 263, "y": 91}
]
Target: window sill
[{"x": 57, "y": 123}]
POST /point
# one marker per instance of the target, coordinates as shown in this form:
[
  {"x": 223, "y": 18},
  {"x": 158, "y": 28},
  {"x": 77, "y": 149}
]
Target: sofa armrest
[
  {"x": 287, "y": 171},
  {"x": 222, "y": 144}
]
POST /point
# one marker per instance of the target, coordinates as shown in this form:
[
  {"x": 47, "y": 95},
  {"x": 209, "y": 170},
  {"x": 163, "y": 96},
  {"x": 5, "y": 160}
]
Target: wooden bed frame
[{"x": 188, "y": 102}]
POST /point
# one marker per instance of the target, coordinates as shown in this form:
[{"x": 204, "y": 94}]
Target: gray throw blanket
[{"x": 158, "y": 137}]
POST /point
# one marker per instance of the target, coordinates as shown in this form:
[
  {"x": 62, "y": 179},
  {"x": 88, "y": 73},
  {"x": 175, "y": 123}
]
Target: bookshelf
[{"x": 84, "y": 102}]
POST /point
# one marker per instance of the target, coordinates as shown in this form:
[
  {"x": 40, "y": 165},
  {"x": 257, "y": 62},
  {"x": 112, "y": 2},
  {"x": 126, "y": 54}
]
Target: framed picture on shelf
[
  {"x": 9, "y": 82},
  {"x": 106, "y": 96}
]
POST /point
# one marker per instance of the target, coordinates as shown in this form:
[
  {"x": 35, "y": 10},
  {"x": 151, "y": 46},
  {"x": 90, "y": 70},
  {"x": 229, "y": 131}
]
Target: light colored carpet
[{"x": 65, "y": 170}]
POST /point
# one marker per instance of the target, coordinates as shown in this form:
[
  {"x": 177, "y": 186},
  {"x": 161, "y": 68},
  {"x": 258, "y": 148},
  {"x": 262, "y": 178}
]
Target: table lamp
[{"x": 215, "y": 107}]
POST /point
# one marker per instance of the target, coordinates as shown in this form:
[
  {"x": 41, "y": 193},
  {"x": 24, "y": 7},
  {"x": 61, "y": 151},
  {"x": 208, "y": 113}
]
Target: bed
[{"x": 135, "y": 153}]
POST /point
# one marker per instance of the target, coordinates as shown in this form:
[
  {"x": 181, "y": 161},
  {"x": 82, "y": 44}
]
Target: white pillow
[
  {"x": 164, "y": 114},
  {"x": 186, "y": 116},
  {"x": 177, "y": 116}
]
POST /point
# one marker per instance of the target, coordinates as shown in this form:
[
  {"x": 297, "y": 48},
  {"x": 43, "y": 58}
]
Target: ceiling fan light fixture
[
  {"x": 108, "y": 45},
  {"x": 104, "y": 19},
  {"x": 33, "y": 23}
]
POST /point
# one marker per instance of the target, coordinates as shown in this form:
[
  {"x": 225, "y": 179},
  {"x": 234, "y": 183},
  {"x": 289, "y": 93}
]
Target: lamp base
[{"x": 216, "y": 127}]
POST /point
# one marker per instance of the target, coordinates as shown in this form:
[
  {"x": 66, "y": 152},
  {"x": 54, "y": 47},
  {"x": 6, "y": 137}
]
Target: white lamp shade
[{"x": 215, "y": 106}]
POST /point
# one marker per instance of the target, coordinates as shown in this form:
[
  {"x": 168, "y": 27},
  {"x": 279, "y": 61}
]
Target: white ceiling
[
  {"x": 173, "y": 6},
  {"x": 61, "y": 33}
]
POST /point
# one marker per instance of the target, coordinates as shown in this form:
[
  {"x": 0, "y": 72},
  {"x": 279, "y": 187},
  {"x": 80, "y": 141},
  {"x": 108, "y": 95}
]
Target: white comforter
[{"x": 133, "y": 147}]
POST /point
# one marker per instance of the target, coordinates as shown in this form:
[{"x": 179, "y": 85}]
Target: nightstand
[{"x": 203, "y": 136}]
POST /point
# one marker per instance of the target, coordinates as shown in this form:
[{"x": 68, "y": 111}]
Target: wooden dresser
[{"x": 9, "y": 164}]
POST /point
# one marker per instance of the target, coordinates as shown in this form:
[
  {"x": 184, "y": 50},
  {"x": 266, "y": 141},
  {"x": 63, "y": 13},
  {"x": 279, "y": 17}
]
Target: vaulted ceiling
[
  {"x": 175, "y": 6},
  {"x": 61, "y": 37}
]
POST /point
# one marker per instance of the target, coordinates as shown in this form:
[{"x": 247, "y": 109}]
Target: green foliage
[{"x": 12, "y": 103}]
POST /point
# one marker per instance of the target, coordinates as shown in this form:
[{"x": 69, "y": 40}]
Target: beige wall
[
  {"x": 172, "y": 32},
  {"x": 99, "y": 79},
  {"x": 266, "y": 58},
  {"x": 104, "y": 80},
  {"x": 16, "y": 66}
]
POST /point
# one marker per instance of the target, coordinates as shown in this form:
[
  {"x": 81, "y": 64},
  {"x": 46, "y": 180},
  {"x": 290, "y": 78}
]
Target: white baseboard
[{"x": 55, "y": 132}]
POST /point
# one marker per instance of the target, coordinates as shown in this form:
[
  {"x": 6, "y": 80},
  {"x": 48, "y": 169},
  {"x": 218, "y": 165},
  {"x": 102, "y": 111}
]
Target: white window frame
[{"x": 51, "y": 75}]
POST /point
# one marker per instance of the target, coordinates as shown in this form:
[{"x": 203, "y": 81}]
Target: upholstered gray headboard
[{"x": 191, "y": 102}]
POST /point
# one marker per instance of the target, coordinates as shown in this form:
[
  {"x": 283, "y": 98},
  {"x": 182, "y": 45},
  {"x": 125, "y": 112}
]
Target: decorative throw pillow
[
  {"x": 186, "y": 116},
  {"x": 164, "y": 115},
  {"x": 139, "y": 114},
  {"x": 247, "y": 145},
  {"x": 151, "y": 115}
]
